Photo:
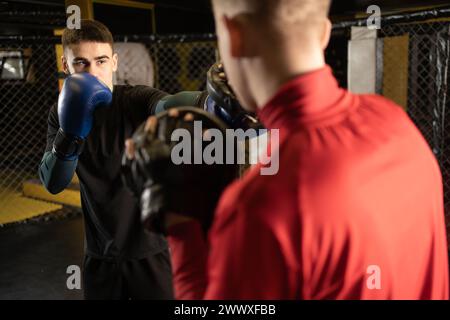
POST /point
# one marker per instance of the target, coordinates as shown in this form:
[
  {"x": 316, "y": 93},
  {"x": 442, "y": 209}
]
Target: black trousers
[{"x": 147, "y": 278}]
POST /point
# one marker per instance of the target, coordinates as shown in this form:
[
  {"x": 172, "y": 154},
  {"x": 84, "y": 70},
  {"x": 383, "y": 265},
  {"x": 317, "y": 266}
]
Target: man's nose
[{"x": 92, "y": 70}]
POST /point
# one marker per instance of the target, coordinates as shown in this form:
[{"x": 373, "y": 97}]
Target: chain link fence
[{"x": 28, "y": 86}]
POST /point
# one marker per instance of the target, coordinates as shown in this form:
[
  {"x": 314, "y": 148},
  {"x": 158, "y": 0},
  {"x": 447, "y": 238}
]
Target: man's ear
[
  {"x": 115, "y": 61},
  {"x": 65, "y": 65},
  {"x": 326, "y": 34},
  {"x": 235, "y": 34}
]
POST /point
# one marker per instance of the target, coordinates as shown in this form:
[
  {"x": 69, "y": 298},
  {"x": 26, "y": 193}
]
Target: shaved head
[
  {"x": 263, "y": 43},
  {"x": 287, "y": 13}
]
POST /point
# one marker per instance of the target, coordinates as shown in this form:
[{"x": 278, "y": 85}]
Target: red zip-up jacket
[{"x": 354, "y": 212}]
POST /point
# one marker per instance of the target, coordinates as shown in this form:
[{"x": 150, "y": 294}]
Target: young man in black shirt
[{"x": 122, "y": 260}]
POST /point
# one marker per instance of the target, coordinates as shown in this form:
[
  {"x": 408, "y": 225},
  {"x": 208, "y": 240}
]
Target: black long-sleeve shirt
[{"x": 111, "y": 212}]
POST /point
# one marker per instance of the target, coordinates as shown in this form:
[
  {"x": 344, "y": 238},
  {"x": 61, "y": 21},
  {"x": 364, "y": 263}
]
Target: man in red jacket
[{"x": 356, "y": 208}]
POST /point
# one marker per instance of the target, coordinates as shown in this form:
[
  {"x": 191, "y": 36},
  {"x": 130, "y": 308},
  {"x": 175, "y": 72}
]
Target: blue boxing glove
[{"x": 81, "y": 95}]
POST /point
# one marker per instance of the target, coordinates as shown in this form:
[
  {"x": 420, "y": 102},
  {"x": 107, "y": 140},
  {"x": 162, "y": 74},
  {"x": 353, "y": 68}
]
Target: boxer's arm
[
  {"x": 144, "y": 101},
  {"x": 141, "y": 100},
  {"x": 180, "y": 99},
  {"x": 54, "y": 173},
  {"x": 188, "y": 251},
  {"x": 153, "y": 101},
  {"x": 242, "y": 260},
  {"x": 68, "y": 126},
  {"x": 246, "y": 259}
]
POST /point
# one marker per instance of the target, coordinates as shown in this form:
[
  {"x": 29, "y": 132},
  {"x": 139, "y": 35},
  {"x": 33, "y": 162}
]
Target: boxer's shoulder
[{"x": 380, "y": 107}]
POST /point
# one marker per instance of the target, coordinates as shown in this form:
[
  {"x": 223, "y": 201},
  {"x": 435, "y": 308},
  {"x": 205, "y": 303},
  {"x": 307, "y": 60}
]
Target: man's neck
[{"x": 270, "y": 76}]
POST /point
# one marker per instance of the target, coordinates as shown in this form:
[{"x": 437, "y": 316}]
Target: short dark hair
[{"x": 90, "y": 30}]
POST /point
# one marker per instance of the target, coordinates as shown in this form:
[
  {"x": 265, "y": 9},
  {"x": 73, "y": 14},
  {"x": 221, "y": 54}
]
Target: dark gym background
[{"x": 40, "y": 234}]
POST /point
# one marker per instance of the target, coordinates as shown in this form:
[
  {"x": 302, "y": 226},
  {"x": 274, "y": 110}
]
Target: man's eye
[
  {"x": 101, "y": 61},
  {"x": 80, "y": 63}
]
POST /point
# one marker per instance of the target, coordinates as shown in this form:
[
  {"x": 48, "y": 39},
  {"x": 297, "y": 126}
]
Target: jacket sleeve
[
  {"x": 54, "y": 173},
  {"x": 242, "y": 261}
]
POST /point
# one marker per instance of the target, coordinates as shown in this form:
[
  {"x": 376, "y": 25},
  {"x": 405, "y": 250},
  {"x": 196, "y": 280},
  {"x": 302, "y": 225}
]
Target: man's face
[{"x": 96, "y": 58}]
